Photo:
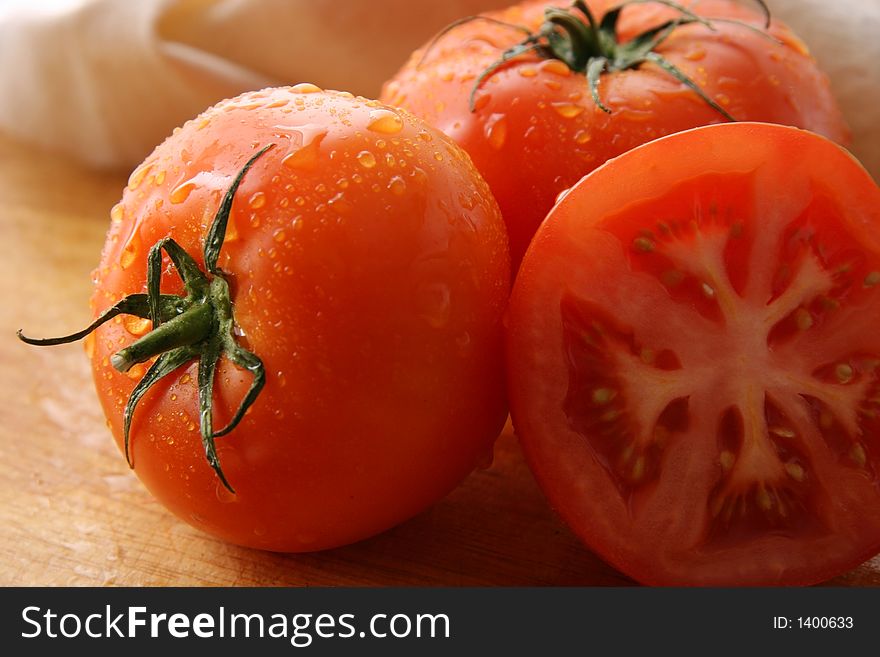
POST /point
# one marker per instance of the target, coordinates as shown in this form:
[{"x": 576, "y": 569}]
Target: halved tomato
[{"x": 694, "y": 358}]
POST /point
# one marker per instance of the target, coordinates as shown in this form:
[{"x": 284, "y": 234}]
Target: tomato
[
  {"x": 694, "y": 360},
  {"x": 534, "y": 128},
  {"x": 367, "y": 267}
]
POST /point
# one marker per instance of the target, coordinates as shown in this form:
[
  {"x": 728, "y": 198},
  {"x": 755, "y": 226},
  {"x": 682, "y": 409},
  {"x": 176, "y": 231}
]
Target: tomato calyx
[
  {"x": 198, "y": 326},
  {"x": 592, "y": 46}
]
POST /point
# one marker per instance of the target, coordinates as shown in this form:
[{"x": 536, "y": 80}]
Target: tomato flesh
[{"x": 694, "y": 360}]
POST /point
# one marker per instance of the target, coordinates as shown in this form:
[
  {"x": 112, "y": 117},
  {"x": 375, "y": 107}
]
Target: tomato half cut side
[{"x": 694, "y": 359}]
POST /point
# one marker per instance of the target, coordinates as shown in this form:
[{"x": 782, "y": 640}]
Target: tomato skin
[
  {"x": 369, "y": 270},
  {"x": 536, "y": 130},
  {"x": 661, "y": 520}
]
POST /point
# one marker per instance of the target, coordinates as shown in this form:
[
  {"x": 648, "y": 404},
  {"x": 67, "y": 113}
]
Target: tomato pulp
[{"x": 694, "y": 358}]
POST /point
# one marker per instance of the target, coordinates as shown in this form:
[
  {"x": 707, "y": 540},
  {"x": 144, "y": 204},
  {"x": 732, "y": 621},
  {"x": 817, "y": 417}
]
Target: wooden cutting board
[{"x": 74, "y": 514}]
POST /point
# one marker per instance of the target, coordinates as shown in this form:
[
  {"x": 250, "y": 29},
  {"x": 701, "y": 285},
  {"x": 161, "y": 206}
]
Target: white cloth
[{"x": 106, "y": 80}]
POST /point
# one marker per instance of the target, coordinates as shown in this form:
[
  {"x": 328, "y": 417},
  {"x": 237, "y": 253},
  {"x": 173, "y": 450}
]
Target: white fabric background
[{"x": 106, "y": 80}]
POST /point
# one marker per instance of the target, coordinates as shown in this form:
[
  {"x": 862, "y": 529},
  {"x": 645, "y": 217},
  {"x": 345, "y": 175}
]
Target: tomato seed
[
  {"x": 727, "y": 459},
  {"x": 795, "y": 471},
  {"x": 782, "y": 432},
  {"x": 603, "y": 395},
  {"x": 857, "y": 453},
  {"x": 643, "y": 244},
  {"x": 765, "y": 502},
  {"x": 844, "y": 372},
  {"x": 803, "y": 319}
]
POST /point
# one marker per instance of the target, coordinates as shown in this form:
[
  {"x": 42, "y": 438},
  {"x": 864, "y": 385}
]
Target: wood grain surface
[{"x": 73, "y": 513}]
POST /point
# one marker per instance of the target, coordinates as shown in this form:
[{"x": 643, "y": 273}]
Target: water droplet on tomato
[
  {"x": 496, "y": 130},
  {"x": 305, "y": 156},
  {"x": 466, "y": 201},
  {"x": 366, "y": 159},
  {"x": 568, "y": 110},
  {"x": 582, "y": 137},
  {"x": 340, "y": 204},
  {"x": 527, "y": 71},
  {"x": 257, "y": 201},
  {"x": 397, "y": 186},
  {"x": 306, "y": 88},
  {"x": 117, "y": 213},
  {"x": 136, "y": 325},
  {"x": 137, "y": 176},
  {"x": 481, "y": 101},
  {"x": 131, "y": 250},
  {"x": 136, "y": 371},
  {"x": 385, "y": 121},
  {"x": 419, "y": 176},
  {"x": 159, "y": 178},
  {"x": 180, "y": 193},
  {"x": 556, "y": 67},
  {"x": 696, "y": 54}
]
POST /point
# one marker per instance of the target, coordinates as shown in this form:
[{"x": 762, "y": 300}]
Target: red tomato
[
  {"x": 368, "y": 269},
  {"x": 694, "y": 360},
  {"x": 534, "y": 128}
]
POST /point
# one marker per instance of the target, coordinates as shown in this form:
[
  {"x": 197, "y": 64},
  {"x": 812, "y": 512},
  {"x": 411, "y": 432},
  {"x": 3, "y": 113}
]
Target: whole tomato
[
  {"x": 353, "y": 299},
  {"x": 544, "y": 92}
]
